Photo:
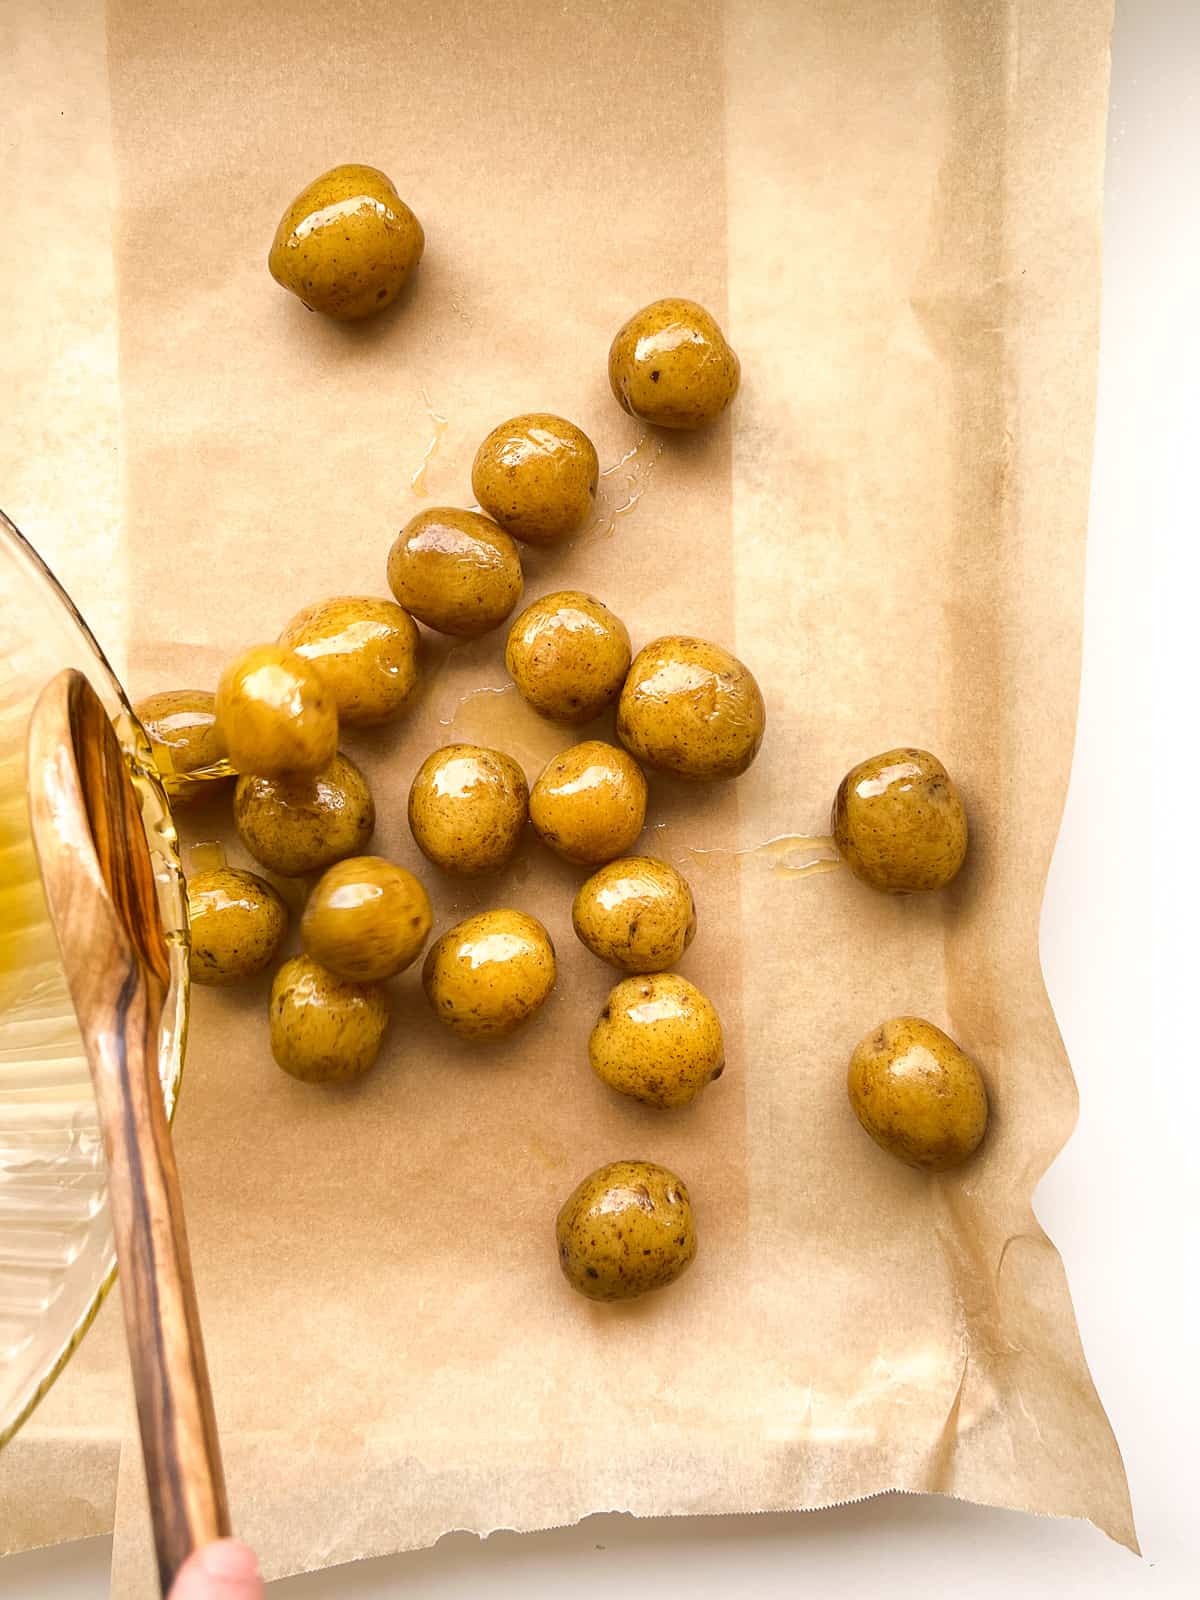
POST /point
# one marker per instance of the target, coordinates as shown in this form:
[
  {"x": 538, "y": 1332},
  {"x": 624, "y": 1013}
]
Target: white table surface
[{"x": 1122, "y": 1201}]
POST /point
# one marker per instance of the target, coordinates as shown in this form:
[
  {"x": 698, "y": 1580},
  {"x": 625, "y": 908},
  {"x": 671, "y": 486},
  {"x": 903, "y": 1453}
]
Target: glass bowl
[{"x": 57, "y": 1260}]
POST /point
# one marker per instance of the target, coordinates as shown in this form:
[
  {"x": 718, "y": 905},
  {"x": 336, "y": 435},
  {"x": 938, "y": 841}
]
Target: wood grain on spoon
[{"x": 100, "y": 889}]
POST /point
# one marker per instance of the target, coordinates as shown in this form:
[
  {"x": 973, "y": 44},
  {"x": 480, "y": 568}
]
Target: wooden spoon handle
[
  {"x": 162, "y": 1324},
  {"x": 100, "y": 888}
]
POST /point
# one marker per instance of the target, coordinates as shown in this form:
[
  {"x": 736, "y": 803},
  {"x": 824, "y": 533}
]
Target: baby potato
[
  {"x": 627, "y": 1229},
  {"x": 347, "y": 244},
  {"x": 467, "y": 807},
  {"x": 455, "y": 571},
  {"x": 237, "y": 921},
  {"x": 918, "y": 1095},
  {"x": 899, "y": 823},
  {"x": 657, "y": 1040},
  {"x": 589, "y": 804},
  {"x": 324, "y": 1029},
  {"x": 488, "y": 975},
  {"x": 670, "y": 366},
  {"x": 568, "y": 655},
  {"x": 300, "y": 824},
  {"x": 536, "y": 475},
  {"x": 181, "y": 725},
  {"x": 366, "y": 651},
  {"x": 637, "y": 914},
  {"x": 275, "y": 713},
  {"x": 690, "y": 708},
  {"x": 366, "y": 920}
]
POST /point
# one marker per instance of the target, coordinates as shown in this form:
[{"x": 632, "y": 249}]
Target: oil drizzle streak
[
  {"x": 789, "y": 855},
  {"x": 622, "y": 485},
  {"x": 418, "y": 480}
]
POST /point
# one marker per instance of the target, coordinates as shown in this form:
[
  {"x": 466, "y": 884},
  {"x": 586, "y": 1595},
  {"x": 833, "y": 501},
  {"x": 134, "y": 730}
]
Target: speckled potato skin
[
  {"x": 347, "y": 244},
  {"x": 627, "y": 1229},
  {"x": 456, "y": 571},
  {"x": 296, "y": 825},
  {"x": 467, "y": 808},
  {"x": 366, "y": 651},
  {"x": 324, "y": 1029},
  {"x": 919, "y": 1096},
  {"x": 899, "y": 823},
  {"x": 487, "y": 976},
  {"x": 182, "y": 727},
  {"x": 366, "y": 919},
  {"x": 237, "y": 921},
  {"x": 568, "y": 655},
  {"x": 671, "y": 366},
  {"x": 589, "y": 804},
  {"x": 276, "y": 713},
  {"x": 657, "y": 1040},
  {"x": 536, "y": 475},
  {"x": 636, "y": 913},
  {"x": 691, "y": 709}
]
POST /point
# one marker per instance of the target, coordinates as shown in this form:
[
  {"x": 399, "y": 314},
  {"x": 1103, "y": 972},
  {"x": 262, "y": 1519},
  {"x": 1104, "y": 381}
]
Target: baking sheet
[{"x": 893, "y": 208}]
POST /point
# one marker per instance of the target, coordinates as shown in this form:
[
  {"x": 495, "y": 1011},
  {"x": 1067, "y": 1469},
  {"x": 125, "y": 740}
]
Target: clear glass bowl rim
[{"x": 17, "y": 546}]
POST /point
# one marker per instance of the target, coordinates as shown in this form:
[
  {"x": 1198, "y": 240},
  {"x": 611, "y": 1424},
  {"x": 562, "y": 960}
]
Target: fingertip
[{"x": 224, "y": 1570}]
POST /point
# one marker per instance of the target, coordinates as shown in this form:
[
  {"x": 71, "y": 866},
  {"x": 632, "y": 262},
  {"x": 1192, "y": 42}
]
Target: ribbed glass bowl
[{"x": 56, "y": 1246}]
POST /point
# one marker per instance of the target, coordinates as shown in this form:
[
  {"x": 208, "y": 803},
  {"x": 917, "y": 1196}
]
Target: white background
[{"x": 1118, "y": 947}]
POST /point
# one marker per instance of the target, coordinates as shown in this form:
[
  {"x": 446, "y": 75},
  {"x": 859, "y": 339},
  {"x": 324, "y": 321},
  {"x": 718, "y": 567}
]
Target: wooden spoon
[{"x": 99, "y": 885}]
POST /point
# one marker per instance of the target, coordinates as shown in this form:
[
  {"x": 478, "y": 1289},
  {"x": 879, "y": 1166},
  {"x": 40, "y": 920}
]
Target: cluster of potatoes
[{"x": 684, "y": 706}]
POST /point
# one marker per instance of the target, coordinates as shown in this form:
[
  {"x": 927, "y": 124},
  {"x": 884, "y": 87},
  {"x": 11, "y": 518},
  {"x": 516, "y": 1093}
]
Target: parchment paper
[
  {"x": 59, "y": 483},
  {"x": 893, "y": 207}
]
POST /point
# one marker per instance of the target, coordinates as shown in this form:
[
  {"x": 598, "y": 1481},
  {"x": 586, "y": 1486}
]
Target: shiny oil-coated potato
[
  {"x": 347, "y": 244},
  {"x": 488, "y": 975},
  {"x": 899, "y": 822},
  {"x": 636, "y": 913},
  {"x": 366, "y": 651},
  {"x": 589, "y": 804},
  {"x": 237, "y": 921},
  {"x": 323, "y": 1028},
  {"x": 276, "y": 713},
  {"x": 691, "y": 709},
  {"x": 455, "y": 571},
  {"x": 919, "y": 1096},
  {"x": 657, "y": 1040},
  {"x": 568, "y": 655},
  {"x": 300, "y": 824},
  {"x": 185, "y": 737},
  {"x": 536, "y": 475},
  {"x": 467, "y": 808},
  {"x": 627, "y": 1229},
  {"x": 670, "y": 365},
  {"x": 366, "y": 919}
]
